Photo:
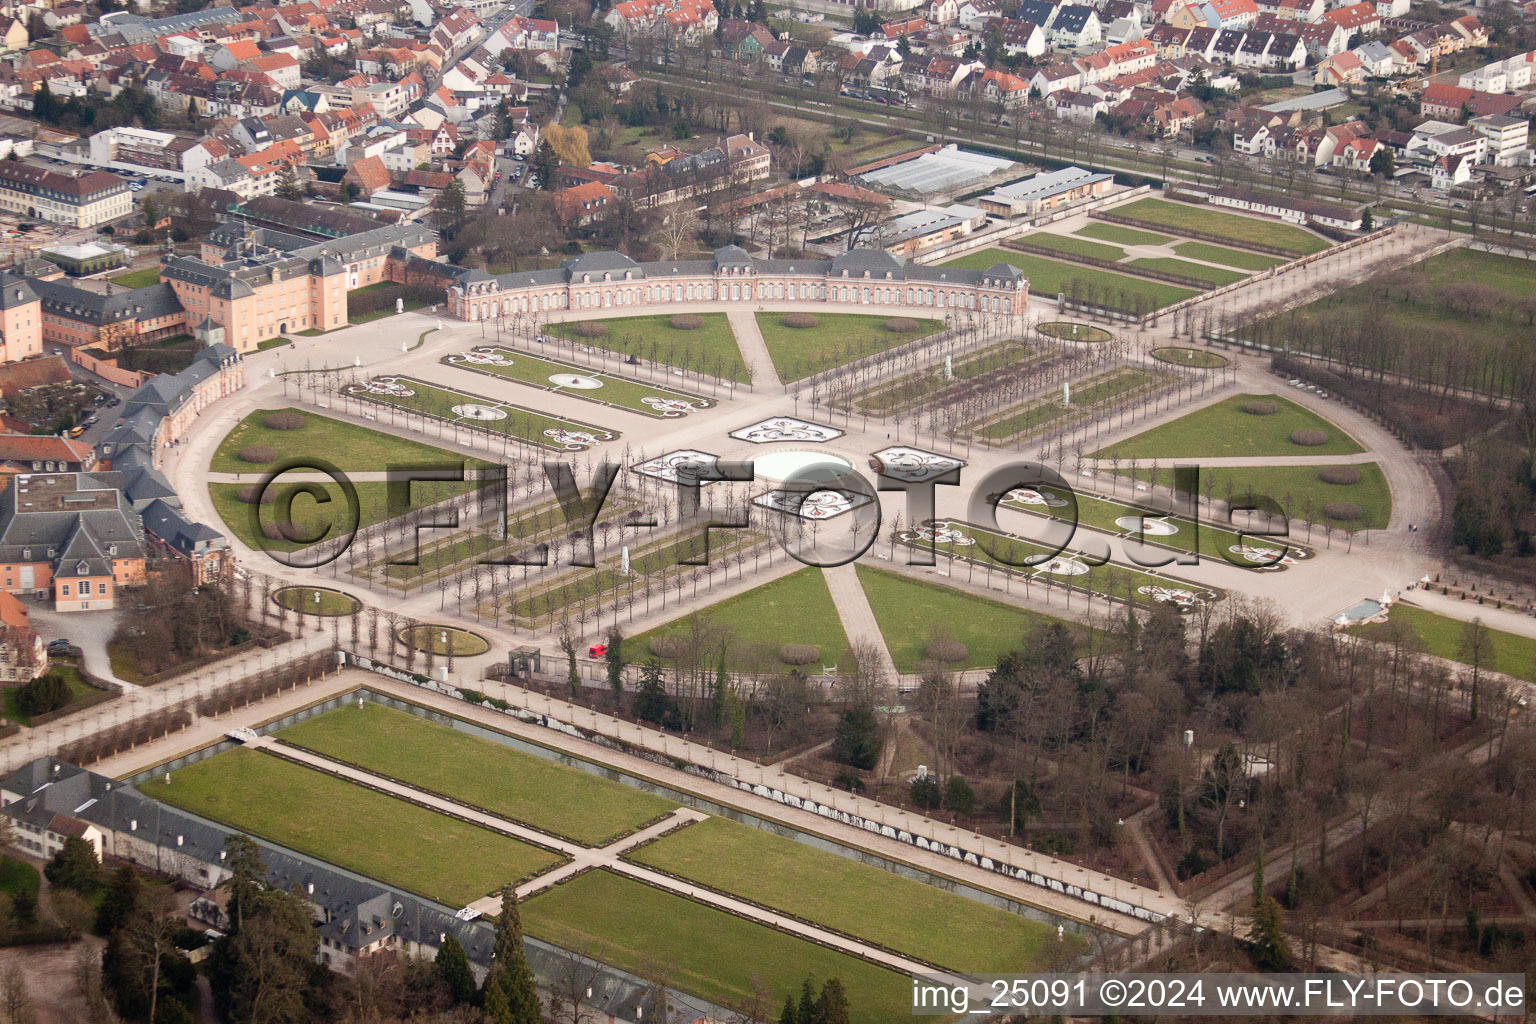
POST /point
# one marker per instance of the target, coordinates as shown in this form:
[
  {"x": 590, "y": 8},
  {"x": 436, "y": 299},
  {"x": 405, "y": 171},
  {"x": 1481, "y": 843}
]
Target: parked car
[{"x": 60, "y": 642}]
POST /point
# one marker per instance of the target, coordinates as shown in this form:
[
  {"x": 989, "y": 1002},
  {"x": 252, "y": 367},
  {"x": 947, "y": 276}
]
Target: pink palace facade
[{"x": 860, "y": 278}]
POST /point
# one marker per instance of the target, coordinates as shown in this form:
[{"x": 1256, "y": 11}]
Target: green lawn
[
  {"x": 711, "y": 349},
  {"x": 619, "y": 391},
  {"x": 137, "y": 278},
  {"x": 349, "y": 447},
  {"x": 911, "y": 612},
  {"x": 836, "y": 339},
  {"x": 317, "y": 601},
  {"x": 1048, "y": 277},
  {"x": 545, "y": 794},
  {"x": 707, "y": 952},
  {"x": 79, "y": 690},
  {"x": 1236, "y": 258},
  {"x": 1105, "y": 232},
  {"x": 1224, "y": 430},
  {"x": 1300, "y": 483},
  {"x": 1239, "y": 229},
  {"x": 1196, "y": 357},
  {"x": 1217, "y": 276},
  {"x": 353, "y": 827},
  {"x": 793, "y": 609},
  {"x": 311, "y": 516},
  {"x": 1075, "y": 246},
  {"x": 1442, "y": 635},
  {"x": 851, "y": 897},
  {"x": 515, "y": 420},
  {"x": 16, "y": 875},
  {"x": 1033, "y": 415}
]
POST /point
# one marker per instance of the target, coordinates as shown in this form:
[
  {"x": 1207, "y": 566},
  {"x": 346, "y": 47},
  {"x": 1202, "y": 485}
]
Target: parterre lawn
[
  {"x": 519, "y": 420},
  {"x": 1076, "y": 246},
  {"x": 331, "y": 602},
  {"x": 544, "y": 794},
  {"x": 619, "y": 391},
  {"x": 794, "y": 609},
  {"x": 1301, "y": 482},
  {"x": 711, "y": 349},
  {"x": 836, "y": 339},
  {"x": 707, "y": 952},
  {"x": 1216, "y": 275},
  {"x": 1441, "y": 636},
  {"x": 1237, "y": 258},
  {"x": 137, "y": 278},
  {"x": 353, "y": 827},
  {"x": 1106, "y": 232},
  {"x": 1224, "y": 430},
  {"x": 911, "y": 612},
  {"x": 1239, "y": 229},
  {"x": 1048, "y": 277},
  {"x": 848, "y": 896},
  {"x": 349, "y": 447},
  {"x": 310, "y": 516}
]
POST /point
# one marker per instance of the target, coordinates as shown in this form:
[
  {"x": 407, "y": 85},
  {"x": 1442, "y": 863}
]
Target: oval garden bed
[
  {"x": 317, "y": 601},
  {"x": 444, "y": 640},
  {"x": 1197, "y": 358},
  {"x": 1067, "y": 330}
]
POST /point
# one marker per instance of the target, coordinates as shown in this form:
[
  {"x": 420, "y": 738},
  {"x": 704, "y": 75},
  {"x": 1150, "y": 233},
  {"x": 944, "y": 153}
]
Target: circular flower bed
[
  {"x": 444, "y": 640},
  {"x": 1069, "y": 331},
  {"x": 1195, "y": 357},
  {"x": 1343, "y": 511},
  {"x": 947, "y": 651},
  {"x": 1339, "y": 475},
  {"x": 798, "y": 654},
  {"x": 1309, "y": 438},
  {"x": 284, "y": 421},
  {"x": 257, "y": 453},
  {"x": 589, "y": 329},
  {"x": 686, "y": 322},
  {"x": 799, "y": 321},
  {"x": 303, "y": 599},
  {"x": 249, "y": 495},
  {"x": 1258, "y": 408},
  {"x": 901, "y": 325}
]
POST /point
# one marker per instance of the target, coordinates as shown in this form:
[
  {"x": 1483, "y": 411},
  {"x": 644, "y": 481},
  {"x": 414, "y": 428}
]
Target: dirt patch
[{"x": 50, "y": 976}]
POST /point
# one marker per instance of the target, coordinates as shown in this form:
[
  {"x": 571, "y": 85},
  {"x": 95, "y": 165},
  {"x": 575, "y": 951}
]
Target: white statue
[
  {"x": 1066, "y": 393},
  {"x": 399, "y": 305},
  {"x": 624, "y": 560},
  {"x": 949, "y": 367}
]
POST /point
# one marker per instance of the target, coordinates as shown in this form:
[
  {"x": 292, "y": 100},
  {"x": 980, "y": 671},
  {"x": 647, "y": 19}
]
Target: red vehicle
[{"x": 597, "y": 650}]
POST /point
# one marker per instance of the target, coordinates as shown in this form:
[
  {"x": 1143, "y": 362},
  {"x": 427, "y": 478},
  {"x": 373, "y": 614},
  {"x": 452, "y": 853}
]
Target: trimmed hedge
[
  {"x": 901, "y": 325},
  {"x": 1339, "y": 475},
  {"x": 1309, "y": 438},
  {"x": 1343, "y": 511},
  {"x": 799, "y": 654},
  {"x": 946, "y": 650},
  {"x": 257, "y": 453},
  {"x": 799, "y": 321},
  {"x": 589, "y": 329},
  {"x": 249, "y": 494},
  {"x": 284, "y": 421},
  {"x": 686, "y": 322},
  {"x": 1260, "y": 408}
]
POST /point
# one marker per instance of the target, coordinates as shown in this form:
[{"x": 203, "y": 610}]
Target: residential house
[
  {"x": 1453, "y": 103},
  {"x": 22, "y": 656},
  {"x": 584, "y": 204}
]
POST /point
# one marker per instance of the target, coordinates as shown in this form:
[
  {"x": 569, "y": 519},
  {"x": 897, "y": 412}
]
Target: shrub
[
  {"x": 1339, "y": 475},
  {"x": 798, "y": 654},
  {"x": 1343, "y": 511},
  {"x": 1309, "y": 438},
  {"x": 284, "y": 421},
  {"x": 1260, "y": 408},
  {"x": 686, "y": 322},
  {"x": 44, "y": 694},
  {"x": 926, "y": 792},
  {"x": 272, "y": 531},
  {"x": 945, "y": 650},
  {"x": 589, "y": 329},
  {"x": 257, "y": 453},
  {"x": 249, "y": 495},
  {"x": 666, "y": 647},
  {"x": 900, "y": 325},
  {"x": 958, "y": 796},
  {"x": 799, "y": 321}
]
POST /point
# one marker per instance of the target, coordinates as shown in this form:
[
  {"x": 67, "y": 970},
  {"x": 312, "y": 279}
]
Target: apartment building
[{"x": 74, "y": 200}]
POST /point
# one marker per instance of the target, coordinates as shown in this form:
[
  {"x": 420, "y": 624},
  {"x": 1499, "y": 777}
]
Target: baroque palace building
[{"x": 610, "y": 280}]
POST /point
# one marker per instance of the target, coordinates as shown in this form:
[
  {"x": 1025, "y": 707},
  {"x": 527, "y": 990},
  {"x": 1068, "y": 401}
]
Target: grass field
[
  {"x": 1124, "y": 236},
  {"x": 545, "y": 794},
  {"x": 137, "y": 278},
  {"x": 836, "y": 339},
  {"x": 359, "y": 829},
  {"x": 1224, "y": 430},
  {"x": 1034, "y": 415},
  {"x": 1048, "y": 277},
  {"x": 1301, "y": 482},
  {"x": 792, "y": 609},
  {"x": 619, "y": 391},
  {"x": 444, "y": 640},
  {"x": 1235, "y": 258},
  {"x": 707, "y": 952},
  {"x": 1441, "y": 636},
  {"x": 515, "y": 420},
  {"x": 1196, "y": 357},
  {"x": 1216, "y": 275},
  {"x": 853, "y": 898},
  {"x": 79, "y": 690},
  {"x": 711, "y": 349},
  {"x": 304, "y": 599},
  {"x": 349, "y": 447},
  {"x": 16, "y": 875},
  {"x": 911, "y": 612},
  {"x": 1180, "y": 217},
  {"x": 1075, "y": 246},
  {"x": 311, "y": 516}
]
